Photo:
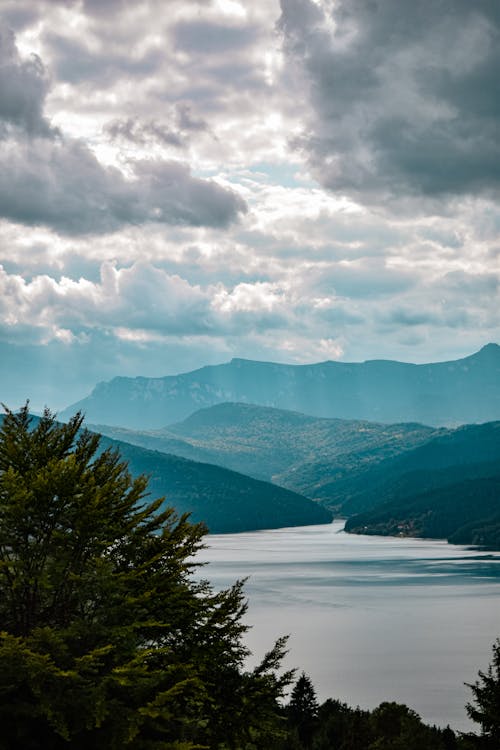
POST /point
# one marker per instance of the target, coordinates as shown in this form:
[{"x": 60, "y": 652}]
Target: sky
[{"x": 187, "y": 181}]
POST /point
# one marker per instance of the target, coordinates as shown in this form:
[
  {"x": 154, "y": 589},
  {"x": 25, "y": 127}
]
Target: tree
[
  {"x": 303, "y": 709},
  {"x": 485, "y": 706},
  {"x": 342, "y": 727},
  {"x": 107, "y": 640}
]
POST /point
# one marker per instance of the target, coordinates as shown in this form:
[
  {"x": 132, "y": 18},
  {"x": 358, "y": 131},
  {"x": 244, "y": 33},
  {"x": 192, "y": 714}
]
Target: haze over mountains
[
  {"x": 387, "y": 479},
  {"x": 291, "y": 449},
  {"x": 375, "y": 461},
  {"x": 443, "y": 393}
]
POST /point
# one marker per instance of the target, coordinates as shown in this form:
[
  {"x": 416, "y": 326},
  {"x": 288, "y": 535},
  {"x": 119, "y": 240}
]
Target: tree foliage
[
  {"x": 390, "y": 726},
  {"x": 303, "y": 710},
  {"x": 107, "y": 640},
  {"x": 485, "y": 706}
]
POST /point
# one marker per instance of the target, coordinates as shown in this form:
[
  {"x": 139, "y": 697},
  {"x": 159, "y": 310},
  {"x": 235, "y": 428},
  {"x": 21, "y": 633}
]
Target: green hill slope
[
  {"x": 469, "y": 452},
  {"x": 449, "y": 487},
  {"x": 466, "y": 512},
  {"x": 225, "y": 500},
  {"x": 277, "y": 445}
]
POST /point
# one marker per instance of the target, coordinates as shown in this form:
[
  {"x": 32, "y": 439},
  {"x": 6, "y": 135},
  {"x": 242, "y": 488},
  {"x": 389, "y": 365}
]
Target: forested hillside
[
  {"x": 448, "y": 488},
  {"x": 278, "y": 445},
  {"x": 224, "y": 500}
]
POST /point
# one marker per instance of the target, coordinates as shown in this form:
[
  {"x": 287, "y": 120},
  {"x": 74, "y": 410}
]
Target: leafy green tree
[
  {"x": 484, "y": 708},
  {"x": 106, "y": 639}
]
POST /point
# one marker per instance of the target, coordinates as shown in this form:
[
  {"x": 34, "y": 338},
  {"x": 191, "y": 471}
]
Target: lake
[{"x": 370, "y": 618}]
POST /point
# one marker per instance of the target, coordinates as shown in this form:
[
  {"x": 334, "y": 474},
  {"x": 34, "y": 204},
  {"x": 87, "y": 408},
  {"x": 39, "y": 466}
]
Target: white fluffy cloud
[{"x": 185, "y": 182}]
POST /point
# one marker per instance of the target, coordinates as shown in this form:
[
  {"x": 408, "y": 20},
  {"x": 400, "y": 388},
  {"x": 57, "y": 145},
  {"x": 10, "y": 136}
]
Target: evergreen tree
[
  {"x": 303, "y": 710},
  {"x": 106, "y": 639},
  {"x": 485, "y": 706}
]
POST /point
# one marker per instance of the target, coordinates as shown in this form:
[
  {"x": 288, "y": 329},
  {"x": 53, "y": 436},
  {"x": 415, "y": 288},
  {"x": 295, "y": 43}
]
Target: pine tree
[
  {"x": 485, "y": 706},
  {"x": 107, "y": 640},
  {"x": 303, "y": 709}
]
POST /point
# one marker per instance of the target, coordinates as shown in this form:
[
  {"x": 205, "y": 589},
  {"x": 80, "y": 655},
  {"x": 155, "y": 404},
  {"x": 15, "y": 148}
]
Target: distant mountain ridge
[{"x": 443, "y": 393}]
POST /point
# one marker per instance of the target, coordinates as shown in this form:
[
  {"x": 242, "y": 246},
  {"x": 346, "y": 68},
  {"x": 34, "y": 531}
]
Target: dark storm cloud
[
  {"x": 18, "y": 16},
  {"x": 175, "y": 196},
  {"x": 62, "y": 185},
  {"x": 104, "y": 7},
  {"x": 406, "y": 101},
  {"x": 23, "y": 87}
]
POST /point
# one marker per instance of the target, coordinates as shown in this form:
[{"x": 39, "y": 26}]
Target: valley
[{"x": 239, "y": 466}]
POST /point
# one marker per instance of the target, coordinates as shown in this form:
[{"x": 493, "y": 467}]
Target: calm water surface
[{"x": 369, "y": 618}]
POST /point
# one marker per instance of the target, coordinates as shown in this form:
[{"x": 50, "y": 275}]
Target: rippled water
[{"x": 370, "y": 618}]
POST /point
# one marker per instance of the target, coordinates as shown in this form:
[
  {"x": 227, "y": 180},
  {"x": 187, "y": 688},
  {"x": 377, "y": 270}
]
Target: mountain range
[
  {"x": 386, "y": 479},
  {"x": 443, "y": 393},
  {"x": 277, "y": 457},
  {"x": 297, "y": 451}
]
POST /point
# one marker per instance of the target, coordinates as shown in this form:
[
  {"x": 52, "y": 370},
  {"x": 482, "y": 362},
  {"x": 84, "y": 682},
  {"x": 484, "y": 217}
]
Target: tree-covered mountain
[
  {"x": 466, "y": 453},
  {"x": 448, "y": 488},
  {"x": 288, "y": 448},
  {"x": 442, "y": 393},
  {"x": 352, "y": 466},
  {"x": 412, "y": 479},
  {"x": 224, "y": 500},
  {"x": 463, "y": 453},
  {"x": 466, "y": 512}
]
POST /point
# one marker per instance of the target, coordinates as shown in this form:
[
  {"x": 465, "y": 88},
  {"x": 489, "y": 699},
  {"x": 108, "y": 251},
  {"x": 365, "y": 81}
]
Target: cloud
[
  {"x": 138, "y": 302},
  {"x": 208, "y": 37},
  {"x": 349, "y": 209},
  {"x": 187, "y": 121},
  {"x": 75, "y": 62},
  {"x": 182, "y": 125},
  {"x": 141, "y": 133},
  {"x": 48, "y": 179},
  {"x": 404, "y": 104},
  {"x": 139, "y": 298},
  {"x": 62, "y": 185},
  {"x": 23, "y": 88}
]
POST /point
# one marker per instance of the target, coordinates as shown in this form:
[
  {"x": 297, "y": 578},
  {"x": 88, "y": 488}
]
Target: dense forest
[{"x": 108, "y": 641}]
